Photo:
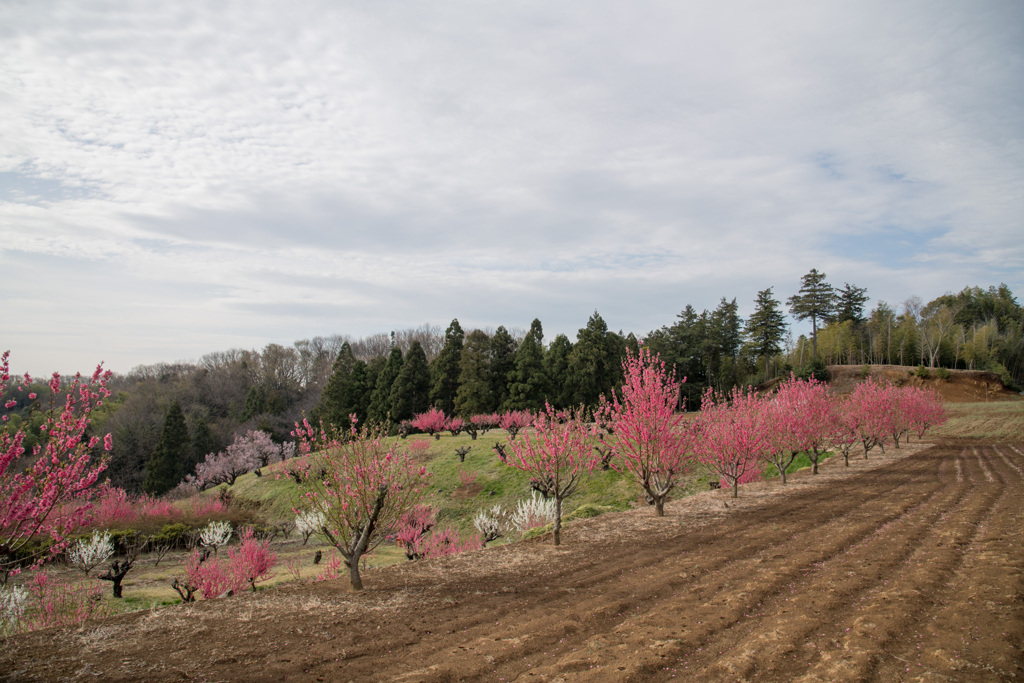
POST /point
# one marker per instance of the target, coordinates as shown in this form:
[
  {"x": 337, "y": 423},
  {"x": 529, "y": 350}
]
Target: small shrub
[
  {"x": 534, "y": 512},
  {"x": 87, "y": 554},
  {"x": 923, "y": 372},
  {"x": 942, "y": 373},
  {"x": 216, "y": 534}
]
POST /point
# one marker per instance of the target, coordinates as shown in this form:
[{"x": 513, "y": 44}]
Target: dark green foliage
[
  {"x": 475, "y": 395},
  {"x": 595, "y": 361},
  {"x": 166, "y": 467},
  {"x": 816, "y": 369},
  {"x": 445, "y": 369},
  {"x": 203, "y": 443},
  {"x": 923, "y": 372},
  {"x": 343, "y": 392},
  {"x": 816, "y": 300},
  {"x": 527, "y": 381},
  {"x": 556, "y": 369},
  {"x": 255, "y": 403},
  {"x": 766, "y": 327},
  {"x": 850, "y": 301},
  {"x": 410, "y": 392},
  {"x": 503, "y": 358},
  {"x": 380, "y": 402}
]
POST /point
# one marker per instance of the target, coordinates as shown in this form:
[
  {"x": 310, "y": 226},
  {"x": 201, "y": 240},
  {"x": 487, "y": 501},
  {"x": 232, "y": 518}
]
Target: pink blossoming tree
[
  {"x": 559, "y": 455},
  {"x": 652, "y": 442},
  {"x": 733, "y": 436},
  {"x": 366, "y": 484},
  {"x": 49, "y": 495}
]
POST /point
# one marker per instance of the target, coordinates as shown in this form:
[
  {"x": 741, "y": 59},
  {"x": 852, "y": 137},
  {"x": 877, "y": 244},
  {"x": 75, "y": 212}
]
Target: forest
[{"x": 179, "y": 412}]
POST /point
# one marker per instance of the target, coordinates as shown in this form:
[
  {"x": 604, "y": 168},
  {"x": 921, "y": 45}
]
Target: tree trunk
[
  {"x": 558, "y": 520},
  {"x": 736, "y": 488},
  {"x": 353, "y": 573}
]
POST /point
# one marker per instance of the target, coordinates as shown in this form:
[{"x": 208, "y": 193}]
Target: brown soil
[
  {"x": 903, "y": 567},
  {"x": 962, "y": 386}
]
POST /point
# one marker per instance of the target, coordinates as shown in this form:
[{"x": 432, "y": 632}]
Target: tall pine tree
[
  {"x": 380, "y": 402},
  {"x": 766, "y": 327},
  {"x": 475, "y": 395},
  {"x": 410, "y": 393},
  {"x": 528, "y": 383},
  {"x": 444, "y": 371},
  {"x": 816, "y": 300},
  {"x": 166, "y": 466},
  {"x": 503, "y": 359},
  {"x": 556, "y": 369}
]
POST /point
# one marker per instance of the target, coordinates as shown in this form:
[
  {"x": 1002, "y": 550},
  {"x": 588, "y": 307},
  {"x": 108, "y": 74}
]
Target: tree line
[{"x": 181, "y": 412}]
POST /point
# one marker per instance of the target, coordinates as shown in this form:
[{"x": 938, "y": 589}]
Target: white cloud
[{"x": 179, "y": 178}]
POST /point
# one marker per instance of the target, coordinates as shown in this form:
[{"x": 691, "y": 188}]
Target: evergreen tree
[
  {"x": 255, "y": 402},
  {"x": 475, "y": 395},
  {"x": 593, "y": 361},
  {"x": 528, "y": 383},
  {"x": 850, "y": 302},
  {"x": 766, "y": 327},
  {"x": 816, "y": 300},
  {"x": 410, "y": 393},
  {"x": 361, "y": 384},
  {"x": 338, "y": 399},
  {"x": 380, "y": 402},
  {"x": 444, "y": 371},
  {"x": 166, "y": 466},
  {"x": 202, "y": 444},
  {"x": 556, "y": 368},
  {"x": 503, "y": 358}
]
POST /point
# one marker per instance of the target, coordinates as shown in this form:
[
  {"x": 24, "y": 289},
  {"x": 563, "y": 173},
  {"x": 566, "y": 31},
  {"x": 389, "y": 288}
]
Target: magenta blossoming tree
[
  {"x": 514, "y": 420},
  {"x": 798, "y": 419},
  {"x": 49, "y": 495},
  {"x": 558, "y": 455},
  {"x": 733, "y": 436},
  {"x": 433, "y": 422},
  {"x": 652, "y": 442},
  {"x": 367, "y": 485}
]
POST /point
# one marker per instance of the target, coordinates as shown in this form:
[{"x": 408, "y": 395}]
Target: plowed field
[{"x": 903, "y": 567}]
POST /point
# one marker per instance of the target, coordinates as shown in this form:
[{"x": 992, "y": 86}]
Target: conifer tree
[
  {"x": 556, "y": 369},
  {"x": 503, "y": 358},
  {"x": 528, "y": 383},
  {"x": 338, "y": 402},
  {"x": 410, "y": 393},
  {"x": 816, "y": 300},
  {"x": 380, "y": 402},
  {"x": 444, "y": 371},
  {"x": 202, "y": 443},
  {"x": 593, "y": 361},
  {"x": 166, "y": 467},
  {"x": 766, "y": 327},
  {"x": 474, "y": 395}
]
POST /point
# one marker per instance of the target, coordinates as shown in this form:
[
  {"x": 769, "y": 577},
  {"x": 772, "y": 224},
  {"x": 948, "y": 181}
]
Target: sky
[{"x": 178, "y": 178}]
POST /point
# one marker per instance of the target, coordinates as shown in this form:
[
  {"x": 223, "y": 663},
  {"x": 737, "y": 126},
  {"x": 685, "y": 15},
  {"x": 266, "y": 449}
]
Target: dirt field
[{"x": 904, "y": 567}]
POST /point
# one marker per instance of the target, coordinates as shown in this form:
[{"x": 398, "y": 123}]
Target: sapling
[
  {"x": 134, "y": 545},
  {"x": 533, "y": 512},
  {"x": 215, "y": 534},
  {"x": 368, "y": 483},
  {"x": 558, "y": 455},
  {"x": 652, "y": 441},
  {"x": 308, "y": 522},
  {"x": 87, "y": 554},
  {"x": 491, "y": 523}
]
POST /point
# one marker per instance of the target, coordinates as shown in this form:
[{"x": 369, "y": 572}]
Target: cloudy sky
[{"x": 184, "y": 177}]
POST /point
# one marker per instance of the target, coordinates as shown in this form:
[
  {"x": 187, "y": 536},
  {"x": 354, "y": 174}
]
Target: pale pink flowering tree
[
  {"x": 364, "y": 487},
  {"x": 455, "y": 425},
  {"x": 652, "y": 440},
  {"x": 433, "y": 422},
  {"x": 733, "y": 436},
  {"x": 559, "y": 455},
  {"x": 50, "y": 495},
  {"x": 483, "y": 422},
  {"x": 247, "y": 453}
]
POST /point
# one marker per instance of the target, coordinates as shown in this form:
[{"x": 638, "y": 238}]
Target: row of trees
[
  {"x": 182, "y": 412},
  {"x": 369, "y": 484}
]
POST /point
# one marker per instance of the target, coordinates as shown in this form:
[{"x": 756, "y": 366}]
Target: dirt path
[{"x": 906, "y": 567}]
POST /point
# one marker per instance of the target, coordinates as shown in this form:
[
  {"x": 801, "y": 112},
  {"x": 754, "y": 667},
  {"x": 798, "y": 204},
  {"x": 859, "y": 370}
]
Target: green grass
[{"x": 801, "y": 462}]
